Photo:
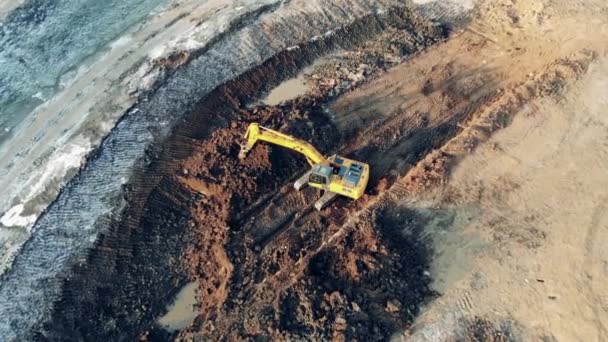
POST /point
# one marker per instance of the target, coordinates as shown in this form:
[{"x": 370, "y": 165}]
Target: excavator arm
[{"x": 255, "y": 133}]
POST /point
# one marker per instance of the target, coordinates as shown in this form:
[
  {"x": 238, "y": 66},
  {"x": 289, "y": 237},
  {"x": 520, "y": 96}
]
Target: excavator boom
[{"x": 255, "y": 132}]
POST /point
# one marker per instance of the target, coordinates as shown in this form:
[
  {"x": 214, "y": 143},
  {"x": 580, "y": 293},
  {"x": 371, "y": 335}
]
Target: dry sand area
[
  {"x": 486, "y": 214},
  {"x": 526, "y": 244}
]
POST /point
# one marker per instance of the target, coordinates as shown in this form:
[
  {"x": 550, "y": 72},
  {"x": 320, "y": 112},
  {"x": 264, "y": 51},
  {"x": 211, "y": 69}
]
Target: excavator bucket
[{"x": 251, "y": 137}]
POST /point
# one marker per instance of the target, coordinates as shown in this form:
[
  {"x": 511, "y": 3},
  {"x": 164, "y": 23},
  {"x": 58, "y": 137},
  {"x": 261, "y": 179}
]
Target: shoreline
[{"x": 35, "y": 158}]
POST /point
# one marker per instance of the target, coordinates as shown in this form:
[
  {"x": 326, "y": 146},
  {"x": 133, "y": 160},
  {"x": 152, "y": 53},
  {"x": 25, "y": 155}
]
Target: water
[
  {"x": 287, "y": 90},
  {"x": 183, "y": 310},
  {"x": 39, "y": 44}
]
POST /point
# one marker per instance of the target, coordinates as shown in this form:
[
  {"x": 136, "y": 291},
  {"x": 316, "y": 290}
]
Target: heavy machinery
[{"x": 335, "y": 175}]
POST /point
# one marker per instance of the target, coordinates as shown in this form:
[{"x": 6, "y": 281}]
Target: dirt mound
[
  {"x": 371, "y": 279},
  {"x": 228, "y": 186},
  {"x": 368, "y": 285}
]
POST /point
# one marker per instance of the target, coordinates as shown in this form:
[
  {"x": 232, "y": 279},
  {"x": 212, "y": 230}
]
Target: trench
[{"x": 120, "y": 287}]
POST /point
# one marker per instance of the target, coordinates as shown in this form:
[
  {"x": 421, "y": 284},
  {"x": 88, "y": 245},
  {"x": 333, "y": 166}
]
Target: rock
[
  {"x": 331, "y": 83},
  {"x": 340, "y": 324},
  {"x": 363, "y": 66},
  {"x": 392, "y": 306},
  {"x": 390, "y": 58},
  {"x": 355, "y": 307}
]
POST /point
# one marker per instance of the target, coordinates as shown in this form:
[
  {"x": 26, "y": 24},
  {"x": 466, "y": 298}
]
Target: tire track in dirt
[{"x": 591, "y": 251}]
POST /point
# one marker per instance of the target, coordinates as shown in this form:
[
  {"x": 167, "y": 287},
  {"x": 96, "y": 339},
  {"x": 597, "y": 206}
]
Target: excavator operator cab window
[
  {"x": 320, "y": 174},
  {"x": 315, "y": 178}
]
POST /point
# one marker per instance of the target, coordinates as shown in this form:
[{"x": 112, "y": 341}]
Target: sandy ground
[{"x": 535, "y": 196}]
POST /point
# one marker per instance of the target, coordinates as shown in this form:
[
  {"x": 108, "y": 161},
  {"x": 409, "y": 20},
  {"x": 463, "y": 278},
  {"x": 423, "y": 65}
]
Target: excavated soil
[{"x": 397, "y": 91}]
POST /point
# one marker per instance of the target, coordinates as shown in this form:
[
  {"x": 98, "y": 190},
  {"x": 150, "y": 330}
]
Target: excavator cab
[
  {"x": 320, "y": 174},
  {"x": 334, "y": 175}
]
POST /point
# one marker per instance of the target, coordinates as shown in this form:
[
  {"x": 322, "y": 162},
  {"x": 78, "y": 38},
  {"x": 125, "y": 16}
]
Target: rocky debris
[
  {"x": 392, "y": 306},
  {"x": 344, "y": 71},
  {"x": 431, "y": 171}
]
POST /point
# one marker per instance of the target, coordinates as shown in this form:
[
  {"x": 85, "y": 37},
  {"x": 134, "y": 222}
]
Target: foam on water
[{"x": 13, "y": 217}]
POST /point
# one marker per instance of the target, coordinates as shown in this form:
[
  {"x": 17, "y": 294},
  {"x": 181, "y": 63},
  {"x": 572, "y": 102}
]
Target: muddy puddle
[
  {"x": 183, "y": 310},
  {"x": 287, "y": 90}
]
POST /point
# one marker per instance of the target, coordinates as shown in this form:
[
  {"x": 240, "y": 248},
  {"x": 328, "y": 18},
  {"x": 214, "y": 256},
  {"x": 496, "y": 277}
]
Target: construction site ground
[{"x": 485, "y": 217}]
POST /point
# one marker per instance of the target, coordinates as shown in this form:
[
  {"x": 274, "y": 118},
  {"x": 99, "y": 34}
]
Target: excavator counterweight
[{"x": 335, "y": 175}]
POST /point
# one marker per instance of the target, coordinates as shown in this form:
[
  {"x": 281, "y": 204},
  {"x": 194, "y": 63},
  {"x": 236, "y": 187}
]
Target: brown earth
[{"x": 415, "y": 108}]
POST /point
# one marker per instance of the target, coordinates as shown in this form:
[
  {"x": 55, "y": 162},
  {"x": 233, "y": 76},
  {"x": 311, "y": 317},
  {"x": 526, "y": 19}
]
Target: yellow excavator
[{"x": 335, "y": 175}]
